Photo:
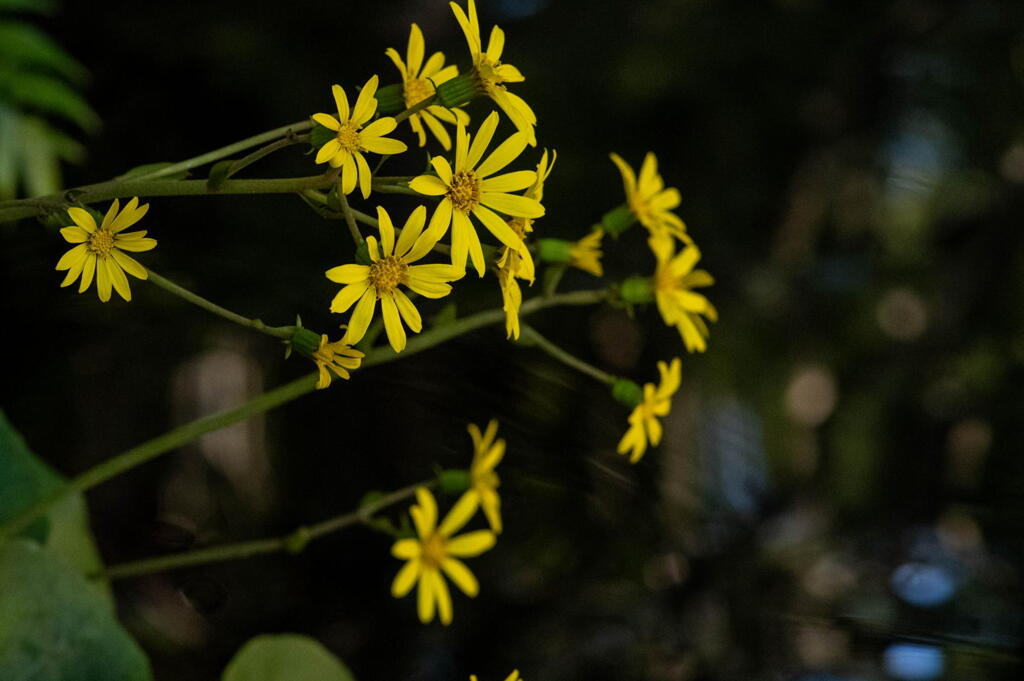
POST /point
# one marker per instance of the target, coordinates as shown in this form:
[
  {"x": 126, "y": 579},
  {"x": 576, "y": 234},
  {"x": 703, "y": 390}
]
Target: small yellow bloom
[
  {"x": 100, "y": 249},
  {"x": 493, "y": 75},
  {"x": 391, "y": 266},
  {"x": 517, "y": 262},
  {"x": 345, "y": 151},
  {"x": 469, "y": 189},
  {"x": 644, "y": 428},
  {"x": 648, "y": 199},
  {"x": 586, "y": 254},
  {"x": 418, "y": 82},
  {"x": 514, "y": 676},
  {"x": 484, "y": 482},
  {"x": 434, "y": 551},
  {"x": 336, "y": 356},
  {"x": 674, "y": 281}
]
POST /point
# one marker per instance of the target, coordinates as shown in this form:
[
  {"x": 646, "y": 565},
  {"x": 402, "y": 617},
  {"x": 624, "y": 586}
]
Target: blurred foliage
[{"x": 285, "y": 657}]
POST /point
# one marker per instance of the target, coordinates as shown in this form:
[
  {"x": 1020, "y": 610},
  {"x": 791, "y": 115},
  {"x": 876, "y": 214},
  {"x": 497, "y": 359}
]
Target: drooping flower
[
  {"x": 418, "y": 82},
  {"x": 469, "y": 190},
  {"x": 483, "y": 481},
  {"x": 644, "y": 427},
  {"x": 585, "y": 254},
  {"x": 435, "y": 550},
  {"x": 492, "y": 74},
  {"x": 391, "y": 265},
  {"x": 517, "y": 262},
  {"x": 673, "y": 282},
  {"x": 336, "y": 356},
  {"x": 352, "y": 139},
  {"x": 514, "y": 676},
  {"x": 100, "y": 250},
  {"x": 649, "y": 200}
]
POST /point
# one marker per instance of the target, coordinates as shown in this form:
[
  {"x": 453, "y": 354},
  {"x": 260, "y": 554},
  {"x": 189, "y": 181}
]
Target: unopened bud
[
  {"x": 637, "y": 290},
  {"x": 460, "y": 90},
  {"x": 627, "y": 392},
  {"x": 454, "y": 481},
  {"x": 618, "y": 220},
  {"x": 555, "y": 250},
  {"x": 390, "y": 99}
]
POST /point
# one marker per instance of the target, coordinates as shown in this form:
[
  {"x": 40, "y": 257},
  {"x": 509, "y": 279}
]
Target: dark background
[{"x": 841, "y": 472}]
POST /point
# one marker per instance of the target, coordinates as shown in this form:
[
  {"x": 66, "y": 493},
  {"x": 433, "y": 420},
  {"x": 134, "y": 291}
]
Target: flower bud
[
  {"x": 555, "y": 250},
  {"x": 304, "y": 341},
  {"x": 627, "y": 392},
  {"x": 454, "y": 481},
  {"x": 390, "y": 99},
  {"x": 460, "y": 90},
  {"x": 618, "y": 220},
  {"x": 637, "y": 290}
]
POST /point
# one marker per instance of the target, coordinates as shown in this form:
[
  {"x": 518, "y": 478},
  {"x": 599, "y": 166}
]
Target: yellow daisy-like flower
[
  {"x": 345, "y": 151},
  {"x": 514, "y": 676},
  {"x": 418, "y": 83},
  {"x": 648, "y": 198},
  {"x": 391, "y": 266},
  {"x": 434, "y": 551},
  {"x": 483, "y": 481},
  {"x": 493, "y": 75},
  {"x": 100, "y": 250},
  {"x": 644, "y": 428},
  {"x": 469, "y": 189},
  {"x": 336, "y": 356},
  {"x": 517, "y": 262},
  {"x": 673, "y": 282},
  {"x": 586, "y": 254}
]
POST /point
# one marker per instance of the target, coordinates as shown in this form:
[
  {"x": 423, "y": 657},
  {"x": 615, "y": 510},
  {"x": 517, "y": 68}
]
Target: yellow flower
[
  {"x": 517, "y": 262},
  {"x": 648, "y": 199},
  {"x": 674, "y": 281},
  {"x": 345, "y": 151},
  {"x": 418, "y": 81},
  {"x": 586, "y": 253},
  {"x": 514, "y": 676},
  {"x": 100, "y": 249},
  {"x": 379, "y": 280},
  {"x": 434, "y": 551},
  {"x": 483, "y": 481},
  {"x": 492, "y": 74},
  {"x": 644, "y": 428},
  {"x": 469, "y": 189},
  {"x": 336, "y": 356}
]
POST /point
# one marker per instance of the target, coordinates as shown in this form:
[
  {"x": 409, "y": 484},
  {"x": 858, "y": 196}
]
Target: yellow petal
[
  {"x": 326, "y": 120},
  {"x": 349, "y": 295},
  {"x": 481, "y": 141},
  {"x": 135, "y": 245},
  {"x": 361, "y": 317},
  {"x": 427, "y": 506},
  {"x": 393, "y": 323},
  {"x": 460, "y": 514},
  {"x": 74, "y": 234},
  {"x": 131, "y": 214},
  {"x": 118, "y": 279},
  {"x": 129, "y": 264},
  {"x": 102, "y": 280},
  {"x": 513, "y": 204},
  {"x": 111, "y": 213},
  {"x": 347, "y": 274},
  {"x": 425, "y": 595},
  {"x": 410, "y": 232},
  {"x": 444, "y": 599},
  {"x": 507, "y": 151},
  {"x": 365, "y": 177},
  {"x": 415, "y": 51},
  {"x": 341, "y": 102},
  {"x": 461, "y": 576},
  {"x": 406, "y": 578},
  {"x": 409, "y": 313},
  {"x": 440, "y": 221},
  {"x": 443, "y": 169},
  {"x": 469, "y": 28},
  {"x": 496, "y": 44},
  {"x": 383, "y": 145},
  {"x": 435, "y": 127},
  {"x": 429, "y": 185},
  {"x": 328, "y": 150},
  {"x": 471, "y": 544},
  {"x": 509, "y": 182},
  {"x": 366, "y": 103},
  {"x": 379, "y": 128},
  {"x": 82, "y": 218},
  {"x": 88, "y": 269},
  {"x": 498, "y": 227},
  {"x": 72, "y": 256},
  {"x": 393, "y": 55}
]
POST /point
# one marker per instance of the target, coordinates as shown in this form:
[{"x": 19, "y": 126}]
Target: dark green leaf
[
  {"x": 49, "y": 95},
  {"x": 218, "y": 174},
  {"x": 23, "y": 45},
  {"x": 285, "y": 657}
]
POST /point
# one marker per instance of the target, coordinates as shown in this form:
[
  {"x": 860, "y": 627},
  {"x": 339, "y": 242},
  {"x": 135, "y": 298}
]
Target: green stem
[
  {"x": 181, "y": 292},
  {"x": 561, "y": 355},
  {"x": 293, "y": 542},
  {"x": 388, "y": 188},
  {"x": 350, "y": 219},
  {"x": 182, "y": 435},
  {"x": 415, "y": 108},
  {"x": 262, "y": 152}
]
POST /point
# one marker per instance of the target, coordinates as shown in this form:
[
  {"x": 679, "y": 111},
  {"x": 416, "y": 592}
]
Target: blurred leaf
[
  {"x": 23, "y": 45},
  {"x": 285, "y": 657},
  {"x": 218, "y": 174},
  {"x": 39, "y": 159},
  {"x": 47, "y": 94},
  {"x": 53, "y": 627},
  {"x": 147, "y": 168},
  {"x": 64, "y": 531},
  {"x": 40, "y": 6}
]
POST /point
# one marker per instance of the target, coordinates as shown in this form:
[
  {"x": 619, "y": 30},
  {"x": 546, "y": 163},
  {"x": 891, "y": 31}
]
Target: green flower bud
[
  {"x": 390, "y": 99},
  {"x": 460, "y": 90},
  {"x": 555, "y": 250},
  {"x": 304, "y": 341},
  {"x": 618, "y": 220},
  {"x": 454, "y": 481},
  {"x": 627, "y": 392},
  {"x": 637, "y": 290}
]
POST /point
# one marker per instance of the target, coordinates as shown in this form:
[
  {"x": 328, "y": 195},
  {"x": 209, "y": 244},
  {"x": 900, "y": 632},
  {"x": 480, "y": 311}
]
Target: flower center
[
  {"x": 100, "y": 242},
  {"x": 416, "y": 90},
  {"x": 324, "y": 354},
  {"x": 664, "y": 281},
  {"x": 487, "y": 72},
  {"x": 348, "y": 136},
  {"x": 386, "y": 274},
  {"x": 434, "y": 551},
  {"x": 464, "y": 191}
]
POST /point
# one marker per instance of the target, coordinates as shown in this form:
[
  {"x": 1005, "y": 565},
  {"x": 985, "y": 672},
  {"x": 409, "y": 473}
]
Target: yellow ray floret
[
  {"x": 514, "y": 676},
  {"x": 100, "y": 249},
  {"x": 336, "y": 356},
  {"x": 492, "y": 74},
  {"x": 674, "y": 280},
  {"x": 469, "y": 189},
  {"x": 483, "y": 481},
  {"x": 586, "y": 254},
  {"x": 354, "y": 137},
  {"x": 418, "y": 82},
  {"x": 644, "y": 427},
  {"x": 435, "y": 551},
  {"x": 648, "y": 198},
  {"x": 391, "y": 266}
]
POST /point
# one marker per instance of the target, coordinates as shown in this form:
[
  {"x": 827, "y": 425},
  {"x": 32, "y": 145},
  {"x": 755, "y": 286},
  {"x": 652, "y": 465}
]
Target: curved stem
[
  {"x": 262, "y": 152},
  {"x": 293, "y": 542},
  {"x": 274, "y": 398},
  {"x": 181, "y": 292},
  {"x": 418, "y": 106},
  {"x": 350, "y": 219},
  {"x": 564, "y": 357}
]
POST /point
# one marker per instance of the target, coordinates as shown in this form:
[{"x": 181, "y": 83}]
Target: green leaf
[
  {"x": 40, "y": 6},
  {"x": 23, "y": 45},
  {"x": 319, "y": 135},
  {"x": 147, "y": 168},
  {"x": 64, "y": 531},
  {"x": 53, "y": 627},
  {"x": 285, "y": 657},
  {"x": 218, "y": 174}
]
